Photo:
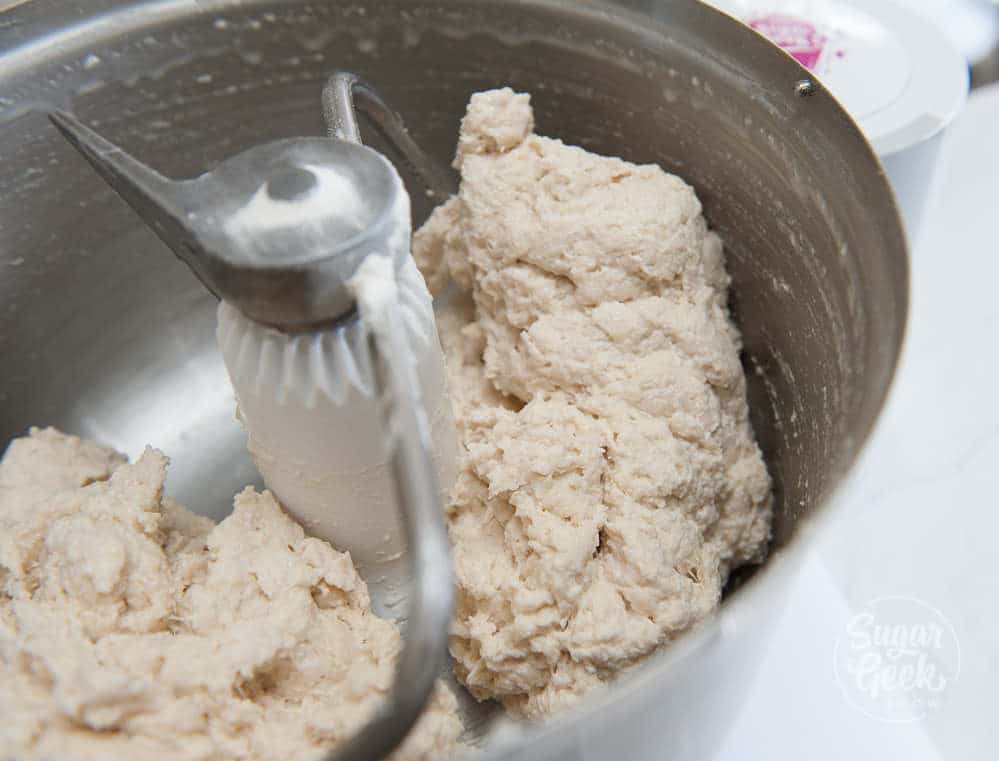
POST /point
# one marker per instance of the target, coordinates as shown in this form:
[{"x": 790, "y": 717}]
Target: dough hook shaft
[{"x": 345, "y": 91}]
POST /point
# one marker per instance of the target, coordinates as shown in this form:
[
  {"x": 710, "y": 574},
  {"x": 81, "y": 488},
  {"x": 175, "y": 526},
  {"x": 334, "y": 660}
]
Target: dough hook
[{"x": 291, "y": 273}]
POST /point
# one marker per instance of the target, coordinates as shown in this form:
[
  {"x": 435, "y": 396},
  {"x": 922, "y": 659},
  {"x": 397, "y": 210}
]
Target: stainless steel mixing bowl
[{"x": 104, "y": 333}]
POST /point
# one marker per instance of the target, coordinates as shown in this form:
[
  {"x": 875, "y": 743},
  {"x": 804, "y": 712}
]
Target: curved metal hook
[
  {"x": 342, "y": 90},
  {"x": 414, "y": 473},
  {"x": 431, "y": 600}
]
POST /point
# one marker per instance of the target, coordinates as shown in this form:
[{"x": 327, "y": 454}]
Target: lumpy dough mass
[
  {"x": 133, "y": 629},
  {"x": 610, "y": 479},
  {"x": 609, "y": 482}
]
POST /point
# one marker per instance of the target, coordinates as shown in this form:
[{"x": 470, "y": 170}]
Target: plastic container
[{"x": 898, "y": 76}]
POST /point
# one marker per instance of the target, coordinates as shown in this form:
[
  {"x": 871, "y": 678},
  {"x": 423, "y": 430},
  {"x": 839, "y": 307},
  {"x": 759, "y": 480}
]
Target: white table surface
[{"x": 920, "y": 515}]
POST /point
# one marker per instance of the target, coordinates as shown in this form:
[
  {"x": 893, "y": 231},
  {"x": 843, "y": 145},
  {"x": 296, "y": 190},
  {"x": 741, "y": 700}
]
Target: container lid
[{"x": 896, "y": 74}]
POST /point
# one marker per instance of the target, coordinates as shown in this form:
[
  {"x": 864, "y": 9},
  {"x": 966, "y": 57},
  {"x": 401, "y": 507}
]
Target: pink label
[{"x": 799, "y": 37}]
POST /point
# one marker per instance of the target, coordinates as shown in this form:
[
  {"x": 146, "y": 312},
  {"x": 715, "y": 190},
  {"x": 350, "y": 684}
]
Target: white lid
[{"x": 896, "y": 74}]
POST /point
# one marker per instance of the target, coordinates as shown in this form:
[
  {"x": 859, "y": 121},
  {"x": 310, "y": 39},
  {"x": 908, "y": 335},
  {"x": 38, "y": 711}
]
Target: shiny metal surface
[{"x": 104, "y": 334}]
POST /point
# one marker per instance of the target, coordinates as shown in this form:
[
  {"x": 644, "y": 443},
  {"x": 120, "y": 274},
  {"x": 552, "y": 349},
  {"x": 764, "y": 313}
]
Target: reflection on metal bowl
[{"x": 105, "y": 334}]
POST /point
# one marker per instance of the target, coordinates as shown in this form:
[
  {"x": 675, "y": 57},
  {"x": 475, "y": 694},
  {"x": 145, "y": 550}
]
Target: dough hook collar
[{"x": 277, "y": 230}]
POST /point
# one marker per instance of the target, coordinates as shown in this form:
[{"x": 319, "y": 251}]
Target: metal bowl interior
[{"x": 103, "y": 333}]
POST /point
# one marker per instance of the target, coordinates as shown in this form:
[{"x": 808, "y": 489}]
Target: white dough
[
  {"x": 610, "y": 477},
  {"x": 133, "y": 629}
]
